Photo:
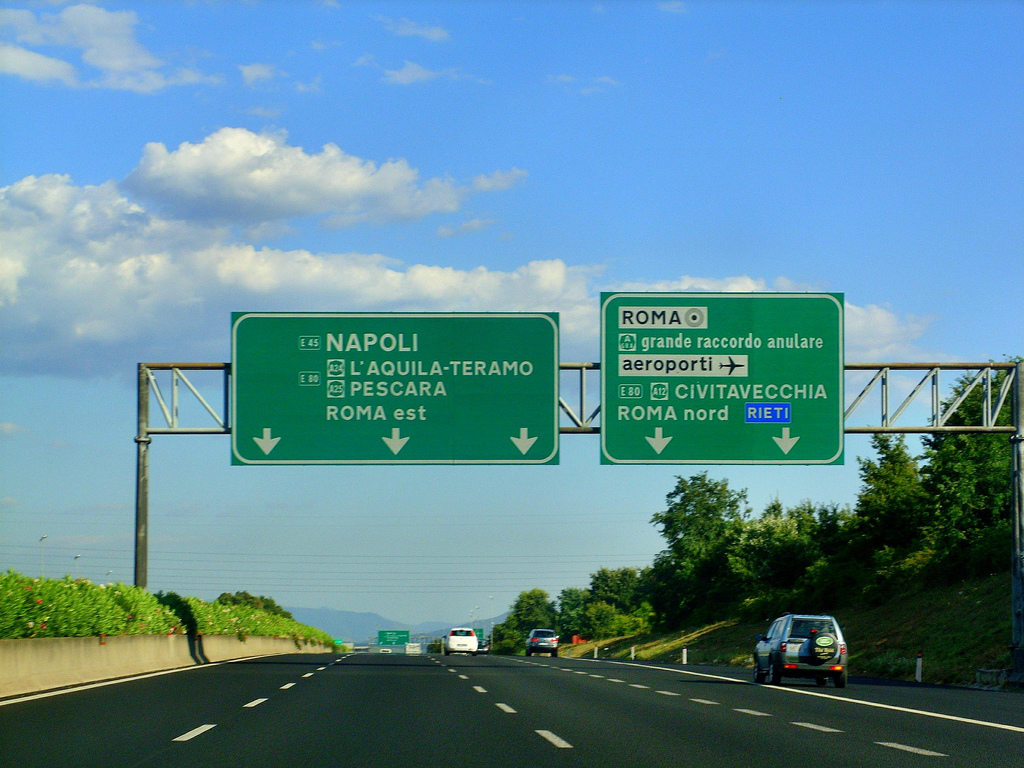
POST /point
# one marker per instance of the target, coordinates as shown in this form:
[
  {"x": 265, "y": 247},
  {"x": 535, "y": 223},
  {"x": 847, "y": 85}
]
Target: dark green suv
[{"x": 802, "y": 645}]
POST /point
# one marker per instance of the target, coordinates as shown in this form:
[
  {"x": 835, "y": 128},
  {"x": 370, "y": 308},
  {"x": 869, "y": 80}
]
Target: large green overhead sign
[
  {"x": 711, "y": 378},
  {"x": 359, "y": 388},
  {"x": 392, "y": 636}
]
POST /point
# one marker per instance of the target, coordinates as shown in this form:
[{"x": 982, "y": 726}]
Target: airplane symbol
[{"x": 732, "y": 365}]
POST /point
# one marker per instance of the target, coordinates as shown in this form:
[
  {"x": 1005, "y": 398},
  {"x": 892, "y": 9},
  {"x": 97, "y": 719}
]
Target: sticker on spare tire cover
[{"x": 823, "y": 647}]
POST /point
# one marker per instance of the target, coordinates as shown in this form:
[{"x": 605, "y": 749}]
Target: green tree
[
  {"x": 703, "y": 519},
  {"x": 261, "y": 603},
  {"x": 572, "y": 601},
  {"x": 890, "y": 506},
  {"x": 619, "y": 587},
  {"x": 967, "y": 482},
  {"x": 532, "y": 609}
]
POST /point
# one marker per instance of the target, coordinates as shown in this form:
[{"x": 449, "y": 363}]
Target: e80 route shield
[{"x": 400, "y": 388}]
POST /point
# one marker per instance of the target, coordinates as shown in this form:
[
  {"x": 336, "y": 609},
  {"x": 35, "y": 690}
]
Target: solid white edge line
[
  {"x": 505, "y": 708},
  {"x": 905, "y": 748},
  {"x": 556, "y": 740},
  {"x": 103, "y": 683},
  {"x": 194, "y": 732},
  {"x": 861, "y": 702},
  {"x": 816, "y": 727},
  {"x": 254, "y": 703}
]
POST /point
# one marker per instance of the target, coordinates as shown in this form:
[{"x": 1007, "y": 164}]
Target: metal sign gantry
[{"x": 882, "y": 381}]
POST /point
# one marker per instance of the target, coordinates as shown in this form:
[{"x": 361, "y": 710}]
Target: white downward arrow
[
  {"x": 395, "y": 443},
  {"x": 266, "y": 443},
  {"x": 659, "y": 441},
  {"x": 523, "y": 443},
  {"x": 786, "y": 442}
]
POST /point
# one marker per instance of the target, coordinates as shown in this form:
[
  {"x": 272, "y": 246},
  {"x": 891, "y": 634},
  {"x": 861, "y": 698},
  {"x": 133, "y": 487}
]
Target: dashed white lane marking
[
  {"x": 578, "y": 673},
  {"x": 286, "y": 686},
  {"x": 557, "y": 741},
  {"x": 479, "y": 689},
  {"x": 505, "y": 708},
  {"x": 463, "y": 677},
  {"x": 822, "y": 728},
  {"x": 637, "y": 685},
  {"x": 450, "y": 669},
  {"x": 195, "y": 732},
  {"x": 705, "y": 701},
  {"x": 599, "y": 677},
  {"x": 915, "y": 750},
  {"x": 320, "y": 669},
  {"x": 753, "y": 712},
  {"x": 308, "y": 674},
  {"x": 615, "y": 680},
  {"x": 847, "y": 700},
  {"x": 254, "y": 703},
  {"x": 668, "y": 693}
]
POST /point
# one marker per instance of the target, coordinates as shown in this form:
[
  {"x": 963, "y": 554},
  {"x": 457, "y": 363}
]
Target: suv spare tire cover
[{"x": 820, "y": 648}]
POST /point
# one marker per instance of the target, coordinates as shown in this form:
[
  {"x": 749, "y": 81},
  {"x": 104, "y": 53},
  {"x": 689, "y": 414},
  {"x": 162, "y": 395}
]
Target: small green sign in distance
[
  {"x": 721, "y": 378},
  {"x": 401, "y": 388},
  {"x": 392, "y": 636}
]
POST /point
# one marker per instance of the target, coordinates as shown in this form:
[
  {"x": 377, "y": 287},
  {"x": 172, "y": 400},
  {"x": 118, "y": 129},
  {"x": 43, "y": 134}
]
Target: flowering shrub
[{"x": 69, "y": 607}]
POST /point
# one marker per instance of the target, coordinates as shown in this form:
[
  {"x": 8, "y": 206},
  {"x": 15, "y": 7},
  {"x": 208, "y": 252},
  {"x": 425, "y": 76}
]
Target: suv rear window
[
  {"x": 462, "y": 632},
  {"x": 803, "y": 627},
  {"x": 543, "y": 633}
]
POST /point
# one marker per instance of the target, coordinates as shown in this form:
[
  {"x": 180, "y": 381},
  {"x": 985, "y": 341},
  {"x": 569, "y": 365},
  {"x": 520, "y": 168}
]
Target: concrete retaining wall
[{"x": 38, "y": 664}]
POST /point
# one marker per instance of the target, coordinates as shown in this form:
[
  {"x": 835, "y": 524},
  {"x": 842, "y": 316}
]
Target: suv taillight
[
  {"x": 842, "y": 648},
  {"x": 782, "y": 647}
]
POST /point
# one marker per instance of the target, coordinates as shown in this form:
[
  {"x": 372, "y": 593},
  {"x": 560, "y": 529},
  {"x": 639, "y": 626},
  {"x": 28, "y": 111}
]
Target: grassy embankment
[
  {"x": 960, "y": 629},
  {"x": 67, "y": 607}
]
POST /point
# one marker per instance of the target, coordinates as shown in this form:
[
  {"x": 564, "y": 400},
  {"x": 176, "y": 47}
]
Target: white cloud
[
  {"x": 252, "y": 73},
  {"x": 106, "y": 40},
  {"x": 35, "y": 66},
  {"x": 412, "y": 72},
  {"x": 672, "y": 6},
  {"x": 93, "y": 282},
  {"x": 8, "y": 429},
  {"x": 407, "y": 28},
  {"x": 473, "y": 225},
  {"x": 593, "y": 85},
  {"x": 498, "y": 180},
  {"x": 239, "y": 177}
]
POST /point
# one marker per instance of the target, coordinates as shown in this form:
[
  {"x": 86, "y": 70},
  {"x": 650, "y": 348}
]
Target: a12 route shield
[
  {"x": 400, "y": 388},
  {"x": 712, "y": 378}
]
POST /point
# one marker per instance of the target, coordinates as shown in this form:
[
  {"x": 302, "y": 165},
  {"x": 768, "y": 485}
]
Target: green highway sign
[
  {"x": 721, "y": 378},
  {"x": 400, "y": 388},
  {"x": 392, "y": 636}
]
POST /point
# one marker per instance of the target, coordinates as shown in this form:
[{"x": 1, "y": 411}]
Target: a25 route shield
[
  {"x": 400, "y": 388},
  {"x": 714, "y": 378}
]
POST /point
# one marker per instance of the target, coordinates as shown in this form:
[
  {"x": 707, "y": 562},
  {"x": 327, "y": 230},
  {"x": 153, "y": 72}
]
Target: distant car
[
  {"x": 542, "y": 641},
  {"x": 484, "y": 646},
  {"x": 461, "y": 640},
  {"x": 802, "y": 645}
]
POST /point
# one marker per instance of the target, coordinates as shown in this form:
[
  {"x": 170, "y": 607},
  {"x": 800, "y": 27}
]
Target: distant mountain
[{"x": 360, "y": 628}]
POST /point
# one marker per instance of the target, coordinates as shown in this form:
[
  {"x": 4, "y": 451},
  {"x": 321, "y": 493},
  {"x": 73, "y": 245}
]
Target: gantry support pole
[
  {"x": 1017, "y": 521},
  {"x": 142, "y": 440}
]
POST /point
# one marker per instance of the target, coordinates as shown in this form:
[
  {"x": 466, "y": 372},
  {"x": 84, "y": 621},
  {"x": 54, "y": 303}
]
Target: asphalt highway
[{"x": 408, "y": 711}]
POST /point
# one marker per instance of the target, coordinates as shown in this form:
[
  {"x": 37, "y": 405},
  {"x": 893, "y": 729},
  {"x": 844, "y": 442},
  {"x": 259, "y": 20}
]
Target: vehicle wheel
[
  {"x": 445, "y": 651},
  {"x": 775, "y": 678},
  {"x": 840, "y": 679},
  {"x": 821, "y": 682},
  {"x": 554, "y": 654},
  {"x": 759, "y": 674},
  {"x": 528, "y": 652}
]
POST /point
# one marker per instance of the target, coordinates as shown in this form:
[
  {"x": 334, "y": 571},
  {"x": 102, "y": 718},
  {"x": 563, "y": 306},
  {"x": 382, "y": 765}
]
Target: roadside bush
[{"x": 67, "y": 607}]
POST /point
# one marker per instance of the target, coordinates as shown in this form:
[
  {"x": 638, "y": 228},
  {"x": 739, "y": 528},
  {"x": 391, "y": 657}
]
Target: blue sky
[{"x": 164, "y": 164}]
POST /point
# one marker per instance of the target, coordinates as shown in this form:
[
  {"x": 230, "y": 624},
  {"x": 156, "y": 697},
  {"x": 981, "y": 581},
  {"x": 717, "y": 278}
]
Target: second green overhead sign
[
  {"x": 358, "y": 388},
  {"x": 705, "y": 378}
]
